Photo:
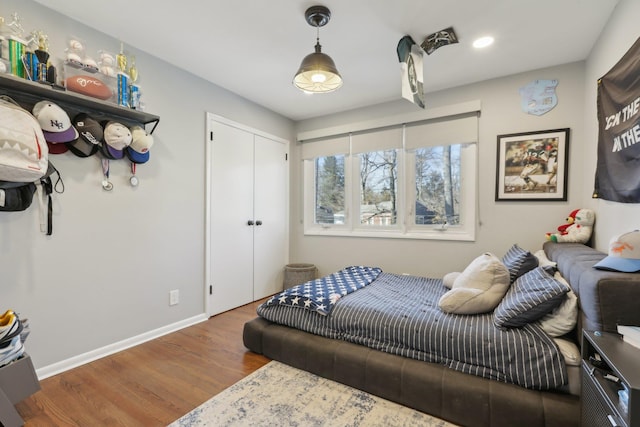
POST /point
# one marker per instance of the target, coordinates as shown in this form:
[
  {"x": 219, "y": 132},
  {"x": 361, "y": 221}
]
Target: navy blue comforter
[{"x": 400, "y": 315}]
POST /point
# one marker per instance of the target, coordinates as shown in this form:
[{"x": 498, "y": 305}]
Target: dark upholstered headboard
[{"x": 606, "y": 298}]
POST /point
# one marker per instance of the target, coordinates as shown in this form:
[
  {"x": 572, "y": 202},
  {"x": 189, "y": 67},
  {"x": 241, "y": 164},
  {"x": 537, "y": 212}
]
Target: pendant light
[{"x": 317, "y": 72}]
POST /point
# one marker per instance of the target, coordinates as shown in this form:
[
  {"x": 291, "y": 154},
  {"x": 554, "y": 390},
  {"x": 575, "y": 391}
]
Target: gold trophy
[
  {"x": 133, "y": 71},
  {"x": 121, "y": 59},
  {"x": 134, "y": 88},
  {"x": 122, "y": 78},
  {"x": 42, "y": 53}
]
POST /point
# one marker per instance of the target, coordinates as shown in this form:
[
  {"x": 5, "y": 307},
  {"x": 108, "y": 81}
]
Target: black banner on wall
[{"x": 618, "y": 167}]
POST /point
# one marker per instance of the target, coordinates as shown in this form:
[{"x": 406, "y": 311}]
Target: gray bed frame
[{"x": 605, "y": 298}]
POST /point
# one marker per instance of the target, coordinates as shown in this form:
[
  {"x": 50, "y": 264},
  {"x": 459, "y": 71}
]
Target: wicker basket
[{"x": 295, "y": 274}]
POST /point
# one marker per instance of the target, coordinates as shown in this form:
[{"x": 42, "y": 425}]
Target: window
[
  {"x": 378, "y": 187},
  {"x": 329, "y": 190},
  {"x": 411, "y": 181},
  {"x": 437, "y": 184}
]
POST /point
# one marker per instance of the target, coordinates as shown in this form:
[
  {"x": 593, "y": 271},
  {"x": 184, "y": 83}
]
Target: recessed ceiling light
[{"x": 483, "y": 42}]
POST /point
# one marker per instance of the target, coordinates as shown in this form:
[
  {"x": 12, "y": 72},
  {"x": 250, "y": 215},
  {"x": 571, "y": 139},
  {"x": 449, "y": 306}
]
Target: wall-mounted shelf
[{"x": 27, "y": 93}]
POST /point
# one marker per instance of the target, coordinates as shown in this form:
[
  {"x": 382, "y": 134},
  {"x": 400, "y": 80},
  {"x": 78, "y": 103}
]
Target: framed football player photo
[{"x": 533, "y": 166}]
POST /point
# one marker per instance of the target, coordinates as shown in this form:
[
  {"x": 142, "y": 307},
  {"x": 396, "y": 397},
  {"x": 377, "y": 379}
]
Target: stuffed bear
[
  {"x": 570, "y": 220},
  {"x": 579, "y": 231}
]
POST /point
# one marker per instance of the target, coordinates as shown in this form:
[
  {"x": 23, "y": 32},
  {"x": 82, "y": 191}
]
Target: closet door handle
[
  {"x": 258, "y": 222},
  {"x": 250, "y": 222}
]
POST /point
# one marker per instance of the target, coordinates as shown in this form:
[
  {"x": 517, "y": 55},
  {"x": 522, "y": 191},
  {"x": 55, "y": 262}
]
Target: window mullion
[{"x": 349, "y": 185}]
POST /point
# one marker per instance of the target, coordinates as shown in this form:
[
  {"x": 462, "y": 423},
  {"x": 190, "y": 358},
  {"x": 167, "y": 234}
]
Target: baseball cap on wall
[
  {"x": 624, "y": 253},
  {"x": 54, "y": 122},
  {"x": 116, "y": 137},
  {"x": 90, "y": 136},
  {"x": 57, "y": 147},
  {"x": 141, "y": 142}
]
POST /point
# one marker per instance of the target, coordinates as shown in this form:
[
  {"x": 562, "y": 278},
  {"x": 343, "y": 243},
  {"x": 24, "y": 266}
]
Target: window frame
[
  {"x": 468, "y": 200},
  {"x": 405, "y": 227},
  {"x": 357, "y": 225}
]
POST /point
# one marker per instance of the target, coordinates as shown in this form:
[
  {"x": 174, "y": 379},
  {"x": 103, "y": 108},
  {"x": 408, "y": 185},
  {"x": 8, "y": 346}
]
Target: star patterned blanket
[{"x": 320, "y": 295}]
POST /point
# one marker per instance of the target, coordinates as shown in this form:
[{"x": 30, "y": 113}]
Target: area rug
[{"x": 279, "y": 395}]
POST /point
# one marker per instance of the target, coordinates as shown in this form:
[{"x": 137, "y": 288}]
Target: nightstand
[{"x": 610, "y": 370}]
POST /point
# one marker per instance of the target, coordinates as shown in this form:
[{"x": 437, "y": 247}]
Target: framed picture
[{"x": 533, "y": 165}]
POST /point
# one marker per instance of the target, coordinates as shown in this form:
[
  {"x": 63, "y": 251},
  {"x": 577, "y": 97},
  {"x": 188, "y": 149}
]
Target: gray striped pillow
[
  {"x": 519, "y": 261},
  {"x": 530, "y": 297}
]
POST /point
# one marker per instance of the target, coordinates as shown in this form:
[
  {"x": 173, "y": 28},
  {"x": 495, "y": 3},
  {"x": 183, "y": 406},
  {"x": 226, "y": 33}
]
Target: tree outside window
[
  {"x": 329, "y": 190},
  {"x": 437, "y": 172},
  {"x": 379, "y": 187}
]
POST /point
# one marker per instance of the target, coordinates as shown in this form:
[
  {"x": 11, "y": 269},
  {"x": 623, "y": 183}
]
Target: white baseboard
[{"x": 90, "y": 356}]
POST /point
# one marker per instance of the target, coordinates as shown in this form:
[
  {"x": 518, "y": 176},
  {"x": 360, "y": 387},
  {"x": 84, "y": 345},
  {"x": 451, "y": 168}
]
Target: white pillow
[
  {"x": 563, "y": 318},
  {"x": 543, "y": 261},
  {"x": 479, "y": 288},
  {"x": 449, "y": 278},
  {"x": 569, "y": 351}
]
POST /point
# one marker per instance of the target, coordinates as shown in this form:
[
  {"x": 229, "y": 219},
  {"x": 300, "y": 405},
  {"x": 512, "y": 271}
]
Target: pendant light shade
[{"x": 317, "y": 72}]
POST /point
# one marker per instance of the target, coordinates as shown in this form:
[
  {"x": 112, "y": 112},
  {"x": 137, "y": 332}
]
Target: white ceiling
[{"x": 253, "y": 47}]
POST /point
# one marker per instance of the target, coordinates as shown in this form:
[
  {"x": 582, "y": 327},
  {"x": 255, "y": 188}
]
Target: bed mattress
[{"x": 399, "y": 314}]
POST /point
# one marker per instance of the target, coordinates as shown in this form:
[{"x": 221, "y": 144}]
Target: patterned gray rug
[{"x": 279, "y": 395}]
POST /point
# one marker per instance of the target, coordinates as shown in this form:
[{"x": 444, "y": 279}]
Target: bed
[{"x": 455, "y": 384}]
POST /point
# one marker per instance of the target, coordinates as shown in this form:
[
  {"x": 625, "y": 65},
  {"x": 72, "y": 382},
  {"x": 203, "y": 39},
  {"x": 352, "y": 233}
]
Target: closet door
[
  {"x": 248, "y": 221},
  {"x": 231, "y": 209},
  {"x": 271, "y": 214}
]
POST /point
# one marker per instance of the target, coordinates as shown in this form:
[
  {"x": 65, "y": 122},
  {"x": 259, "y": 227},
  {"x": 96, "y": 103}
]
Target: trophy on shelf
[
  {"x": 17, "y": 46},
  {"x": 42, "y": 53},
  {"x": 123, "y": 77},
  {"x": 134, "y": 89},
  {"x": 133, "y": 70},
  {"x": 121, "y": 59}
]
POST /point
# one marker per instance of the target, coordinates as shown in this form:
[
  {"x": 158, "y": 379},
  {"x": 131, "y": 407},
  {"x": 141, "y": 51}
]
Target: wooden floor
[{"x": 151, "y": 384}]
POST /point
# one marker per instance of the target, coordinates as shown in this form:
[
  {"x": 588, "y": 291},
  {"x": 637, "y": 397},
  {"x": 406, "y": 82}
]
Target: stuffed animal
[
  {"x": 578, "y": 230},
  {"x": 570, "y": 220}
]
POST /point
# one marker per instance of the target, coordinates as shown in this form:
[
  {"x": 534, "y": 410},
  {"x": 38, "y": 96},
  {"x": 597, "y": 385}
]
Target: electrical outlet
[{"x": 174, "y": 297}]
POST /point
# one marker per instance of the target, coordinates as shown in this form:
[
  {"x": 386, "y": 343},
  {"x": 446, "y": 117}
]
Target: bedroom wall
[
  {"x": 618, "y": 36},
  {"x": 105, "y": 274},
  {"x": 500, "y": 223}
]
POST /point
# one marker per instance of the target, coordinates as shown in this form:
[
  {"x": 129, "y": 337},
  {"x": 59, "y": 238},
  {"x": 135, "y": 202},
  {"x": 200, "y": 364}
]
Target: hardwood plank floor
[{"x": 151, "y": 384}]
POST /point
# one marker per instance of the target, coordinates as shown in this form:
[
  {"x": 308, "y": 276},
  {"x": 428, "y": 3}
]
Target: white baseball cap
[
  {"x": 116, "y": 138},
  {"x": 54, "y": 122},
  {"x": 624, "y": 253}
]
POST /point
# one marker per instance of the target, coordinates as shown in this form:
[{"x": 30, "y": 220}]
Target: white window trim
[{"x": 422, "y": 115}]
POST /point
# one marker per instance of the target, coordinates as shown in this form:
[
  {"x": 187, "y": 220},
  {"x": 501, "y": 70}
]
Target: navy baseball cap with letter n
[{"x": 624, "y": 253}]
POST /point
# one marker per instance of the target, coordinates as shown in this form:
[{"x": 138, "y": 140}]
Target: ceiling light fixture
[
  {"x": 483, "y": 42},
  {"x": 317, "y": 72}
]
